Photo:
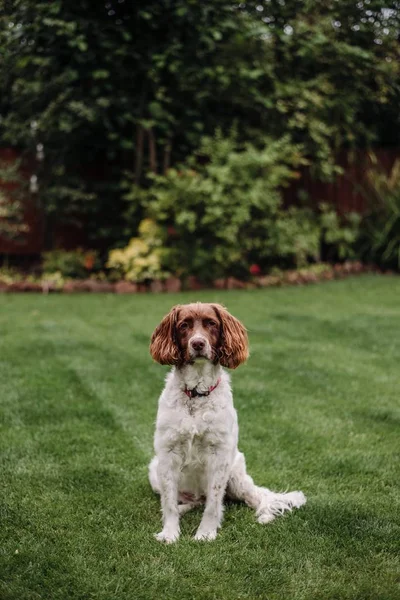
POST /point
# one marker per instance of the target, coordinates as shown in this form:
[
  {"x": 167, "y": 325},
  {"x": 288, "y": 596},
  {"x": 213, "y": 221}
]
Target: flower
[
  {"x": 255, "y": 269},
  {"x": 89, "y": 262}
]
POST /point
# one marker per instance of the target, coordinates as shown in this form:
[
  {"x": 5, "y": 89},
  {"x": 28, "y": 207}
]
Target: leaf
[{"x": 100, "y": 74}]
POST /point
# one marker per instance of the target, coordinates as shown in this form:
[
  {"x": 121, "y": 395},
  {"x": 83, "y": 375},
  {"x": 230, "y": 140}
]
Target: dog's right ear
[{"x": 164, "y": 345}]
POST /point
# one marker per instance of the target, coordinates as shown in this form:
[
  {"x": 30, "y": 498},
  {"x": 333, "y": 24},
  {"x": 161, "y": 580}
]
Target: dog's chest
[
  {"x": 191, "y": 427},
  {"x": 197, "y": 435},
  {"x": 197, "y": 419},
  {"x": 198, "y": 426}
]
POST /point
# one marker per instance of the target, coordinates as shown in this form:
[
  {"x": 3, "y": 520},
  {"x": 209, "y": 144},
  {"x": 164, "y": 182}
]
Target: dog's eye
[
  {"x": 183, "y": 326},
  {"x": 212, "y": 323}
]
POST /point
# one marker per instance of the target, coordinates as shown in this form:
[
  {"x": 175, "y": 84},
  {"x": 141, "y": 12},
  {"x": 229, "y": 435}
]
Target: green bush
[
  {"x": 222, "y": 211},
  {"x": 302, "y": 235},
  {"x": 380, "y": 228},
  {"x": 221, "y": 214},
  {"x": 338, "y": 234},
  {"x": 295, "y": 237},
  {"x": 73, "y": 263}
]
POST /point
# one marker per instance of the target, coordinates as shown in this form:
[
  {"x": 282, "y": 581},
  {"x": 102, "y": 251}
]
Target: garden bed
[{"x": 313, "y": 274}]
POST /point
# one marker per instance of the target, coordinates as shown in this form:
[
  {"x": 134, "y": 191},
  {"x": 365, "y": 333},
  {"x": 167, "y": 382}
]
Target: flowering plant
[{"x": 142, "y": 258}]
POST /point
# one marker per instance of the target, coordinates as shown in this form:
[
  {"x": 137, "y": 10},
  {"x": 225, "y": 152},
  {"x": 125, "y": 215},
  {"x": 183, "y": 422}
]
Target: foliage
[
  {"x": 70, "y": 263},
  {"x": 142, "y": 259},
  {"x": 380, "y": 227},
  {"x": 335, "y": 75},
  {"x": 297, "y": 237},
  {"x": 59, "y": 83},
  {"x": 339, "y": 235},
  {"x": 223, "y": 212},
  {"x": 9, "y": 275},
  {"x": 107, "y": 88},
  {"x": 11, "y": 205},
  {"x": 55, "y": 280},
  {"x": 304, "y": 235},
  {"x": 220, "y": 209}
]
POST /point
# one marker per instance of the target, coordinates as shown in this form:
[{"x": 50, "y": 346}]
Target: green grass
[{"x": 319, "y": 410}]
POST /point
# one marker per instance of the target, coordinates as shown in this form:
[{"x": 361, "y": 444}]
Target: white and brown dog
[{"x": 196, "y": 440}]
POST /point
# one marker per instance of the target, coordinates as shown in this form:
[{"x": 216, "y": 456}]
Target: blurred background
[{"x": 174, "y": 142}]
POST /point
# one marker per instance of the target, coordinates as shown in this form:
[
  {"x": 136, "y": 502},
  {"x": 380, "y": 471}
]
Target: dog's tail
[
  {"x": 273, "y": 504},
  {"x": 267, "y": 504}
]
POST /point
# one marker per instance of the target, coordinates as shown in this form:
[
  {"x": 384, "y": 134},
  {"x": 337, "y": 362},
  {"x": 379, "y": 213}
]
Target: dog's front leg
[
  {"x": 218, "y": 468},
  {"x": 169, "y": 466}
]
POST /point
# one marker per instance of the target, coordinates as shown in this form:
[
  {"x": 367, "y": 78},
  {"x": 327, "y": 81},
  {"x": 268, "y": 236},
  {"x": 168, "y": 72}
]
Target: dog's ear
[
  {"x": 234, "y": 345},
  {"x": 163, "y": 346}
]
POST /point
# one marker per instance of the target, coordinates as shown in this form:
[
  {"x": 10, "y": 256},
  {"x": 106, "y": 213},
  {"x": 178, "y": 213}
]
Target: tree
[{"x": 121, "y": 89}]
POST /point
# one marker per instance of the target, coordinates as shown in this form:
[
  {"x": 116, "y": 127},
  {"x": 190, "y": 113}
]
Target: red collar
[{"x": 194, "y": 393}]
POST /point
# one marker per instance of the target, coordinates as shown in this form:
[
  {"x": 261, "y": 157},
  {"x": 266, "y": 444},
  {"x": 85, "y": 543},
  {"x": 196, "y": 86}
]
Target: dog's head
[{"x": 191, "y": 332}]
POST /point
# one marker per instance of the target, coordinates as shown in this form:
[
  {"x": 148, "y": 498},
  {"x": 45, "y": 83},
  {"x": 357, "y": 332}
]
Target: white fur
[{"x": 196, "y": 453}]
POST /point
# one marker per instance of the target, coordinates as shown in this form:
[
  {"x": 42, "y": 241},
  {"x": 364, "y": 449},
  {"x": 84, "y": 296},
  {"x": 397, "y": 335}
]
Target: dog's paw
[
  {"x": 167, "y": 536},
  {"x": 296, "y": 499},
  {"x": 205, "y": 535},
  {"x": 265, "y": 517}
]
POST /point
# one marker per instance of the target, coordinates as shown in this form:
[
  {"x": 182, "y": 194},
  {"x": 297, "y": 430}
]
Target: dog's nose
[{"x": 198, "y": 345}]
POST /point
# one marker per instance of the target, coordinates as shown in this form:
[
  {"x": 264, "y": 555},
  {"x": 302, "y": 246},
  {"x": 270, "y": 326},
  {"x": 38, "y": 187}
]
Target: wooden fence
[{"x": 343, "y": 193}]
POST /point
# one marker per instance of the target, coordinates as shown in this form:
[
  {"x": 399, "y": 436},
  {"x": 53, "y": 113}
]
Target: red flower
[
  {"x": 171, "y": 230},
  {"x": 255, "y": 270},
  {"x": 89, "y": 262}
]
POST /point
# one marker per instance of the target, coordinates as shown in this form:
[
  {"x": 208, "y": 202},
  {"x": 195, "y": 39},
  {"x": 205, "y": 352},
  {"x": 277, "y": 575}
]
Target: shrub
[
  {"x": 339, "y": 234},
  {"x": 220, "y": 211},
  {"x": 70, "y": 263},
  {"x": 9, "y": 275},
  {"x": 303, "y": 235},
  {"x": 380, "y": 228},
  {"x": 295, "y": 237},
  {"x": 55, "y": 280},
  {"x": 221, "y": 214},
  {"x": 142, "y": 259}
]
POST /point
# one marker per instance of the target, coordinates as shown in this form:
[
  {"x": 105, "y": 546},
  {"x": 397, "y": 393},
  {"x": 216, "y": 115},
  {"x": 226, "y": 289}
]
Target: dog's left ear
[
  {"x": 234, "y": 344},
  {"x": 163, "y": 347}
]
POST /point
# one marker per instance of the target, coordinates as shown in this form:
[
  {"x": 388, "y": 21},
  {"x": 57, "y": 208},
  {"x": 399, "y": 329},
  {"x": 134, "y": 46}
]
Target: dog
[{"x": 197, "y": 460}]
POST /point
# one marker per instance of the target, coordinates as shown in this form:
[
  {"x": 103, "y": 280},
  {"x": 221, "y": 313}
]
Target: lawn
[{"x": 319, "y": 411}]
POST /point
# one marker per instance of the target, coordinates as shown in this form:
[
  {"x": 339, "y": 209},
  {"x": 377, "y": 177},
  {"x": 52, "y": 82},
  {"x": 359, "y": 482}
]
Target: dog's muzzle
[{"x": 199, "y": 347}]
